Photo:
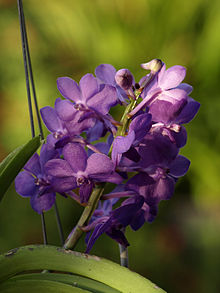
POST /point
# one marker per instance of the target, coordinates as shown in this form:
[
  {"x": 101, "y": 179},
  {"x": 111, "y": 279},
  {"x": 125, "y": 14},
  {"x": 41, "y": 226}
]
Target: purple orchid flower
[
  {"x": 113, "y": 222},
  {"x": 77, "y": 170},
  {"x": 158, "y": 183},
  {"x": 167, "y": 97},
  {"x": 89, "y": 98},
  {"x": 63, "y": 131},
  {"x": 34, "y": 183}
]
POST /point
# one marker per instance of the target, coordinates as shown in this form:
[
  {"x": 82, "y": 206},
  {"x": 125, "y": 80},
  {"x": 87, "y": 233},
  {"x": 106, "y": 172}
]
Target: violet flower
[
  {"x": 34, "y": 183},
  {"x": 166, "y": 97},
  {"x": 63, "y": 131},
  {"x": 113, "y": 222},
  {"x": 77, "y": 170},
  {"x": 89, "y": 98},
  {"x": 157, "y": 182}
]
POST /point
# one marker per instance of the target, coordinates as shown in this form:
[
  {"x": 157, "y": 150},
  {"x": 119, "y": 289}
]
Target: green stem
[{"x": 85, "y": 217}]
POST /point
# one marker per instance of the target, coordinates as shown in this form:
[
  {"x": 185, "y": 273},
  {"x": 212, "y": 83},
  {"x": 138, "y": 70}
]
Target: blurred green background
[{"x": 180, "y": 251}]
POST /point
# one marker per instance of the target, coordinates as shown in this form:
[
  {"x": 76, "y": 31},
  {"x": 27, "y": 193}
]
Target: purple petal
[
  {"x": 166, "y": 112},
  {"x": 118, "y": 236},
  {"x": 172, "y": 77},
  {"x": 95, "y": 132},
  {"x": 186, "y": 87},
  {"x": 58, "y": 168},
  {"x": 138, "y": 220},
  {"x": 42, "y": 203},
  {"x": 139, "y": 182},
  {"x": 164, "y": 188},
  {"x": 179, "y": 166},
  {"x": 98, "y": 231},
  {"x": 141, "y": 125},
  {"x": 85, "y": 192},
  {"x": 103, "y": 100},
  {"x": 76, "y": 127},
  {"x": 65, "y": 110},
  {"x": 25, "y": 184},
  {"x": 51, "y": 119},
  {"x": 122, "y": 144},
  {"x": 113, "y": 178},
  {"x": 89, "y": 86},
  {"x": 76, "y": 156},
  {"x": 188, "y": 112},
  {"x": 126, "y": 213},
  {"x": 132, "y": 154},
  {"x": 106, "y": 73},
  {"x": 63, "y": 184},
  {"x": 47, "y": 153},
  {"x": 33, "y": 165},
  {"x": 158, "y": 150},
  {"x": 99, "y": 164},
  {"x": 69, "y": 89}
]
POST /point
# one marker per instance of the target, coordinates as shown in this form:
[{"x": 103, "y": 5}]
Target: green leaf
[
  {"x": 70, "y": 279},
  {"x": 14, "y": 162},
  {"x": 34, "y": 286},
  {"x": 41, "y": 257}
]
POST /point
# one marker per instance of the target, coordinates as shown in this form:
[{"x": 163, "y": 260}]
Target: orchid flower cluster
[{"x": 87, "y": 149}]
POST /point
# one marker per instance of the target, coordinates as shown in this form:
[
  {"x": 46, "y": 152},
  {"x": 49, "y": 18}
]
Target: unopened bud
[
  {"x": 154, "y": 65},
  {"x": 124, "y": 79}
]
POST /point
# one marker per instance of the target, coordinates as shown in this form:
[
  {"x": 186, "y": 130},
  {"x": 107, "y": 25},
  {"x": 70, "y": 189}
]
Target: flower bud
[
  {"x": 124, "y": 79},
  {"x": 154, "y": 65}
]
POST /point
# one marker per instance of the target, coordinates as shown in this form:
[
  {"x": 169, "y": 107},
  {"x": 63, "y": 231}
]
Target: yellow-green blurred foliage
[{"x": 180, "y": 251}]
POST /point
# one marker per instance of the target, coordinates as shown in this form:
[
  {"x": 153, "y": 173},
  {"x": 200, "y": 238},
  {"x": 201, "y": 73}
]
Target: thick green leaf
[
  {"x": 34, "y": 286},
  {"x": 14, "y": 162},
  {"x": 70, "y": 279},
  {"x": 40, "y": 257}
]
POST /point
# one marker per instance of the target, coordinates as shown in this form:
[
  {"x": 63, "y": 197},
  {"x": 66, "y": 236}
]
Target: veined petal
[
  {"x": 188, "y": 112},
  {"x": 65, "y": 110},
  {"x": 173, "y": 95},
  {"x": 121, "y": 144},
  {"x": 186, "y": 87},
  {"x": 63, "y": 184},
  {"x": 103, "y": 100},
  {"x": 58, "y": 168},
  {"x": 166, "y": 112},
  {"x": 164, "y": 188},
  {"x": 113, "y": 178},
  {"x": 76, "y": 156},
  {"x": 179, "y": 166},
  {"x": 33, "y": 165},
  {"x": 85, "y": 192},
  {"x": 158, "y": 150},
  {"x": 98, "y": 231},
  {"x": 69, "y": 89},
  {"x": 51, "y": 119},
  {"x": 141, "y": 125},
  {"x": 106, "y": 73},
  {"x": 172, "y": 77},
  {"x": 99, "y": 164},
  {"x": 47, "y": 153},
  {"x": 43, "y": 202},
  {"x": 89, "y": 86},
  {"x": 25, "y": 184}
]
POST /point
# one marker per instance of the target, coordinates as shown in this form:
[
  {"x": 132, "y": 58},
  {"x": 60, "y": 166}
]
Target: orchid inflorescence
[{"x": 87, "y": 148}]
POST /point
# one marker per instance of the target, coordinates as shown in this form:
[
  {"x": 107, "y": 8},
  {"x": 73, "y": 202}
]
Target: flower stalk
[{"x": 85, "y": 217}]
